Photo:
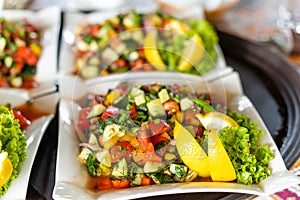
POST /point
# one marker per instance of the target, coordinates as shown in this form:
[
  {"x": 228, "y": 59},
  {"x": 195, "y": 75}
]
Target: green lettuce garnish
[
  {"x": 250, "y": 160},
  {"x": 12, "y": 141}
]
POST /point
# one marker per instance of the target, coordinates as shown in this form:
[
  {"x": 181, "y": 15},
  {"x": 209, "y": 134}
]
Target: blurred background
[{"x": 254, "y": 20}]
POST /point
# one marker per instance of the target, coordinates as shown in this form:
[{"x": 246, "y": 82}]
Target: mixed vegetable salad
[
  {"x": 12, "y": 145},
  {"x": 144, "y": 42},
  {"x": 20, "y": 50},
  {"x": 155, "y": 134}
]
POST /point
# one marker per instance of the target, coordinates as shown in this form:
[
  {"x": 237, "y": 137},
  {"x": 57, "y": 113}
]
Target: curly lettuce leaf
[
  {"x": 249, "y": 160},
  {"x": 12, "y": 141},
  {"x": 207, "y": 33}
]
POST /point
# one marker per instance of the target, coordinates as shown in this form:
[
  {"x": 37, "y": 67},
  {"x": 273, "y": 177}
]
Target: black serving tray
[{"x": 271, "y": 83}]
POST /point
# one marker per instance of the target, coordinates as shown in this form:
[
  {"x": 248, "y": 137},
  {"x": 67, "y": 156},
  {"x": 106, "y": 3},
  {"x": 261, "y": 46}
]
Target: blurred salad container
[
  {"x": 88, "y": 5},
  {"x": 154, "y": 41},
  {"x": 212, "y": 9},
  {"x": 15, "y": 4}
]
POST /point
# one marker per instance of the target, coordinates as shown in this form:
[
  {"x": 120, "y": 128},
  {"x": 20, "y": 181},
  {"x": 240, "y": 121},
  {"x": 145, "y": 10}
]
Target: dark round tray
[{"x": 271, "y": 83}]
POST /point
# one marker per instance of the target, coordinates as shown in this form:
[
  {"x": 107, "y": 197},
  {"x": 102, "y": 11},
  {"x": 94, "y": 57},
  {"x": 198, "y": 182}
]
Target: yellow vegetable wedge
[
  {"x": 151, "y": 51},
  {"x": 178, "y": 26},
  {"x": 221, "y": 168},
  {"x": 6, "y": 168},
  {"x": 216, "y": 120},
  {"x": 190, "y": 151},
  {"x": 192, "y": 53}
]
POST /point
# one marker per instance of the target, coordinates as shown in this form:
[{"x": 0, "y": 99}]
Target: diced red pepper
[
  {"x": 110, "y": 112},
  {"x": 83, "y": 124},
  {"x": 83, "y": 113},
  {"x": 158, "y": 127},
  {"x": 31, "y": 59},
  {"x": 121, "y": 150},
  {"x": 157, "y": 139},
  {"x": 120, "y": 183},
  {"x": 133, "y": 112},
  {"x": 104, "y": 183},
  {"x": 146, "y": 180},
  {"x": 144, "y": 137},
  {"x": 121, "y": 62},
  {"x": 23, "y": 52},
  {"x": 23, "y": 121},
  {"x": 29, "y": 83}
]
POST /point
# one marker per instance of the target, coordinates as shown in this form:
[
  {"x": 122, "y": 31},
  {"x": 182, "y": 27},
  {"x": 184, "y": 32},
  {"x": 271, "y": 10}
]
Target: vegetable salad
[
  {"x": 118, "y": 45},
  {"x": 20, "y": 50},
  {"x": 12, "y": 141},
  {"x": 131, "y": 137}
]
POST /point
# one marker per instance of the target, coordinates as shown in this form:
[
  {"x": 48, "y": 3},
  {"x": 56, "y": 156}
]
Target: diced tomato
[
  {"x": 83, "y": 113},
  {"x": 133, "y": 112},
  {"x": 157, "y": 139},
  {"x": 150, "y": 147},
  {"x": 23, "y": 52},
  {"x": 141, "y": 157},
  {"x": 83, "y": 124},
  {"x": 121, "y": 150},
  {"x": 94, "y": 30},
  {"x": 104, "y": 183},
  {"x": 23, "y": 121},
  {"x": 158, "y": 127},
  {"x": 144, "y": 137},
  {"x": 121, "y": 62},
  {"x": 3, "y": 83},
  {"x": 120, "y": 183},
  {"x": 110, "y": 112},
  {"x": 171, "y": 106},
  {"x": 207, "y": 101},
  {"x": 31, "y": 59},
  {"x": 146, "y": 180},
  {"x": 29, "y": 83}
]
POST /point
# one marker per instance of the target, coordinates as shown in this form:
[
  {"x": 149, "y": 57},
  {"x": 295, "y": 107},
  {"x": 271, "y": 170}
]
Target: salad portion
[
  {"x": 20, "y": 50},
  {"x": 12, "y": 145},
  {"x": 156, "y": 134},
  {"x": 144, "y": 42}
]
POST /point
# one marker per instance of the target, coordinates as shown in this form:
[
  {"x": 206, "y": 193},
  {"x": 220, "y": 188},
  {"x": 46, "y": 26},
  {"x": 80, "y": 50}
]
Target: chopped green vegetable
[{"x": 206, "y": 107}]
